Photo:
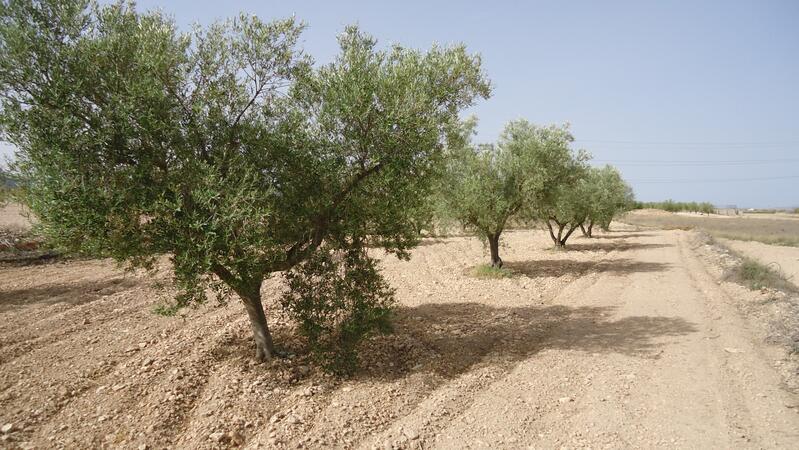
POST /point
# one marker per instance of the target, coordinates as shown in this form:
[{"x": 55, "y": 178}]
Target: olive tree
[
  {"x": 552, "y": 182},
  {"x": 569, "y": 210},
  {"x": 225, "y": 148},
  {"x": 608, "y": 196},
  {"x": 487, "y": 185}
]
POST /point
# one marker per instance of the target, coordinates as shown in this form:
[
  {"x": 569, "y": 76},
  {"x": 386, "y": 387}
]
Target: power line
[
  {"x": 688, "y": 163},
  {"x": 709, "y": 143},
  {"x": 715, "y": 180}
]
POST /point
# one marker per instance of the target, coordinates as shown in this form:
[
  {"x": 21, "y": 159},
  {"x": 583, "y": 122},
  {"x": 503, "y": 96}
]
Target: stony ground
[{"x": 627, "y": 340}]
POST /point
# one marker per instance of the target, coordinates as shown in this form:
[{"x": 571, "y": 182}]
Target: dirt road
[{"x": 625, "y": 340}]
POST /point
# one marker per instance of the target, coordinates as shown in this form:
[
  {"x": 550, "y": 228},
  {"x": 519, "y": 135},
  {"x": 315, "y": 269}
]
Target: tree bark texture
[{"x": 493, "y": 243}]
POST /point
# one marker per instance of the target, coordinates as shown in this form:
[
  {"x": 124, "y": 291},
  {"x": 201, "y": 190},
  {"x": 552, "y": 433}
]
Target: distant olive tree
[
  {"x": 608, "y": 197},
  {"x": 225, "y": 148},
  {"x": 570, "y": 204},
  {"x": 487, "y": 185},
  {"x": 554, "y": 193}
]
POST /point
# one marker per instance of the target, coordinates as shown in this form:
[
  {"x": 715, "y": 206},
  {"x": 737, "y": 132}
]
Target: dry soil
[{"x": 627, "y": 340}]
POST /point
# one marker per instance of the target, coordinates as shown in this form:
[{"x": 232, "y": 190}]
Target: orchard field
[
  {"x": 227, "y": 243},
  {"x": 628, "y": 339}
]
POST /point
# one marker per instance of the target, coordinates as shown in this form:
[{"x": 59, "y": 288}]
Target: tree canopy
[
  {"x": 226, "y": 147},
  {"x": 608, "y": 196},
  {"x": 487, "y": 185}
]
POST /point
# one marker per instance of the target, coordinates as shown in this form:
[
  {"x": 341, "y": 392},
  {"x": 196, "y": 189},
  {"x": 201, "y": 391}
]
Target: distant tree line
[{"x": 672, "y": 206}]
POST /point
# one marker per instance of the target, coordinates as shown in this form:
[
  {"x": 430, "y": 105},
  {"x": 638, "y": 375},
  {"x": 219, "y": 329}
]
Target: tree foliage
[
  {"x": 485, "y": 186},
  {"x": 593, "y": 196},
  {"x": 224, "y": 147},
  {"x": 609, "y": 196}
]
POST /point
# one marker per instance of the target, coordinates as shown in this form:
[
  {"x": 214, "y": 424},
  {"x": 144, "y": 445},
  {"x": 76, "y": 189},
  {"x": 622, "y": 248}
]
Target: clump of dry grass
[
  {"x": 757, "y": 275},
  {"x": 487, "y": 271}
]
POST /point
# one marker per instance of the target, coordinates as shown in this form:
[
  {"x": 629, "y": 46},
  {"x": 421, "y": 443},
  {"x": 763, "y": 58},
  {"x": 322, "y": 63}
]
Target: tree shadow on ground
[
  {"x": 450, "y": 338},
  {"x": 428, "y": 241},
  {"x": 612, "y": 246},
  {"x": 620, "y": 235},
  {"x": 74, "y": 293},
  {"x": 559, "y": 267}
]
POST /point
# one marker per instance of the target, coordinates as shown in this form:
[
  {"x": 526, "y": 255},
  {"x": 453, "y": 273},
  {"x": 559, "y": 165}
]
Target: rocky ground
[{"x": 630, "y": 339}]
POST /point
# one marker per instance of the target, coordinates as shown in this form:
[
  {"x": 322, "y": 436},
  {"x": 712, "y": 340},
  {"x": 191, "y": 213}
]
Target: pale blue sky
[{"x": 666, "y": 81}]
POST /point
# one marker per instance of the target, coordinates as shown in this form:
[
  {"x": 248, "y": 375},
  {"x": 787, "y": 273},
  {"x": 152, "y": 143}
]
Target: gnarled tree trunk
[
  {"x": 587, "y": 231},
  {"x": 264, "y": 348},
  {"x": 493, "y": 244},
  {"x": 561, "y": 238}
]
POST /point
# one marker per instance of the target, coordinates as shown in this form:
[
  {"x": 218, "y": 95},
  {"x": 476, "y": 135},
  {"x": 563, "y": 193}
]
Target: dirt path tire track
[{"x": 665, "y": 361}]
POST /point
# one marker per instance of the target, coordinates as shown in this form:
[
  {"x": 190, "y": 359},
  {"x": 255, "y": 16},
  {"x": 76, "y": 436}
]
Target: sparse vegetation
[
  {"x": 489, "y": 271},
  {"x": 785, "y": 241},
  {"x": 776, "y": 231},
  {"x": 756, "y": 275}
]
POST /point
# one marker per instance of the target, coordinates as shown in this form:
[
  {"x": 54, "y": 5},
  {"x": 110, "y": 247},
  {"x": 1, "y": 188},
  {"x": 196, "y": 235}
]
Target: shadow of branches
[
  {"x": 559, "y": 267},
  {"x": 449, "y": 338},
  {"x": 613, "y": 246},
  {"x": 74, "y": 293}
]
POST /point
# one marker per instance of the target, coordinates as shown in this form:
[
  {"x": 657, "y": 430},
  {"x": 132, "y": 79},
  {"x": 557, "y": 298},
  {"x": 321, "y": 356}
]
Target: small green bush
[
  {"x": 167, "y": 310},
  {"x": 338, "y": 298}
]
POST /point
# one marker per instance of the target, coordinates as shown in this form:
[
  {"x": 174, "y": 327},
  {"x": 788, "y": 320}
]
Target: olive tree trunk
[
  {"x": 561, "y": 238},
  {"x": 264, "y": 348},
  {"x": 493, "y": 244},
  {"x": 587, "y": 231}
]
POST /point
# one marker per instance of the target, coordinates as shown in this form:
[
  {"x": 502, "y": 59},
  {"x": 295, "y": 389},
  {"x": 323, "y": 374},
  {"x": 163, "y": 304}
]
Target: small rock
[
  {"x": 565, "y": 399},
  {"x": 142, "y": 344},
  {"x": 411, "y": 434},
  {"x": 118, "y": 387},
  {"x": 217, "y": 436},
  {"x": 7, "y": 428},
  {"x": 294, "y": 420},
  {"x": 236, "y": 438}
]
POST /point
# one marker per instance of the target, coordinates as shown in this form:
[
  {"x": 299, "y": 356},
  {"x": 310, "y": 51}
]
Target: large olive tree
[{"x": 225, "y": 148}]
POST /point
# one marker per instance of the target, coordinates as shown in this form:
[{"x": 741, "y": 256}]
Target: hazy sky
[{"x": 673, "y": 92}]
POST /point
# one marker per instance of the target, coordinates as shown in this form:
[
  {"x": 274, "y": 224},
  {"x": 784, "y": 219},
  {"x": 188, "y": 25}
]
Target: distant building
[{"x": 728, "y": 210}]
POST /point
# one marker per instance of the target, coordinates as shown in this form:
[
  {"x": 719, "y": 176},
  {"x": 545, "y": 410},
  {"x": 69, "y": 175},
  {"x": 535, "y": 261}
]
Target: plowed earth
[{"x": 629, "y": 340}]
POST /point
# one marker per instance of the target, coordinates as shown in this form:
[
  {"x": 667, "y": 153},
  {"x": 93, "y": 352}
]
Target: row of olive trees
[
  {"x": 231, "y": 151},
  {"x": 530, "y": 175}
]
